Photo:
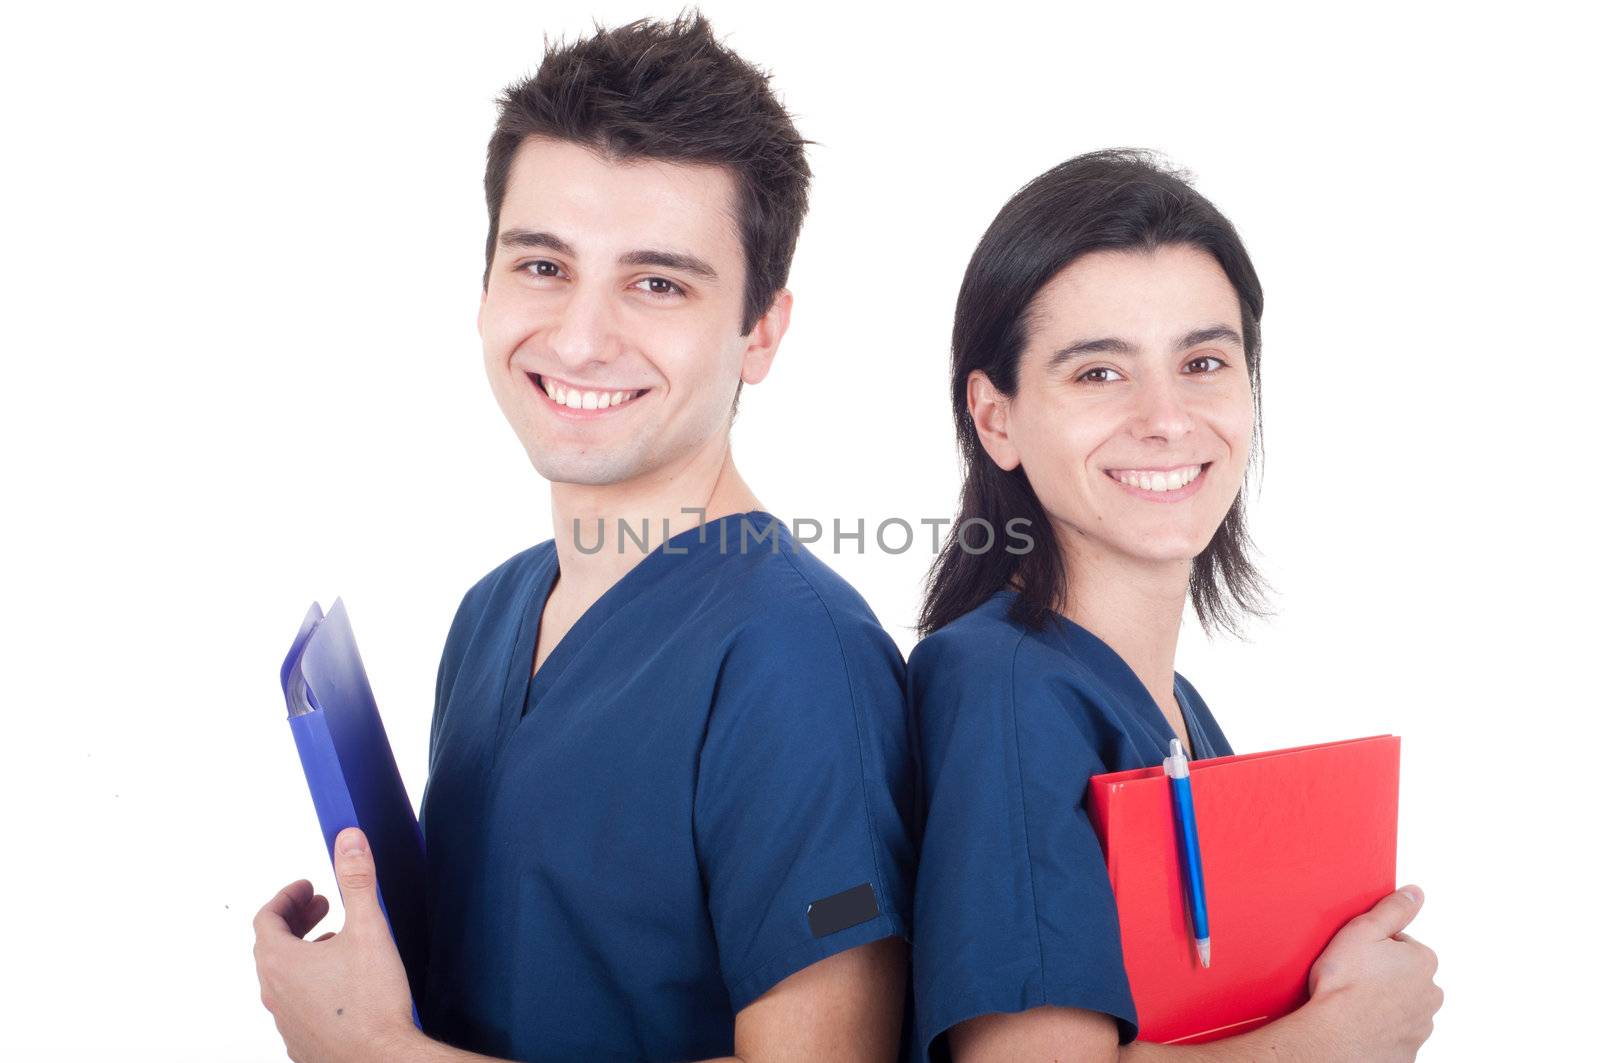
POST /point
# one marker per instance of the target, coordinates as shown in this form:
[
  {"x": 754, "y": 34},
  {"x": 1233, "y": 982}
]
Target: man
[{"x": 669, "y": 792}]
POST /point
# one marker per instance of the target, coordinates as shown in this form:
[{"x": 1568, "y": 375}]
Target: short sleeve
[
  {"x": 1013, "y": 906},
  {"x": 802, "y": 799}
]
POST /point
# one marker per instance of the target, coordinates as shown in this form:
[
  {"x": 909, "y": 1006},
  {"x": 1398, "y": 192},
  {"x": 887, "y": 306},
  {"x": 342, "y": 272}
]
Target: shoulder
[
  {"x": 793, "y": 598},
  {"x": 798, "y": 643},
  {"x": 508, "y": 571},
  {"x": 494, "y": 590},
  {"x": 980, "y": 646},
  {"x": 961, "y": 679},
  {"x": 986, "y": 653},
  {"x": 486, "y": 616}
]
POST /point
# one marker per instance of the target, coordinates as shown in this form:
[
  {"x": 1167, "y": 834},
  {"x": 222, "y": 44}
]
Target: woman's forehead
[{"x": 1140, "y": 297}]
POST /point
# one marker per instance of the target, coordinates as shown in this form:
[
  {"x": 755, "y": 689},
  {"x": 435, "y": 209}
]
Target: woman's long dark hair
[{"x": 1121, "y": 199}]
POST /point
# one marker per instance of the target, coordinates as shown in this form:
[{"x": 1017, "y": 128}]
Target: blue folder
[{"x": 352, "y": 774}]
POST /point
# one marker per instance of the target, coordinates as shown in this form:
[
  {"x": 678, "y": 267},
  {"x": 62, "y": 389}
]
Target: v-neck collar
[
  {"x": 525, "y": 688},
  {"x": 1199, "y": 741},
  {"x": 1081, "y": 642}
]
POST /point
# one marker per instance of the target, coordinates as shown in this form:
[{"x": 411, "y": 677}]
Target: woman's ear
[{"x": 991, "y": 415}]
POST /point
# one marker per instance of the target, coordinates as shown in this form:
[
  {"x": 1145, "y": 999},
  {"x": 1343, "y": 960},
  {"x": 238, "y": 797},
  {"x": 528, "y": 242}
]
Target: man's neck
[
  {"x": 591, "y": 548},
  {"x": 1134, "y": 606}
]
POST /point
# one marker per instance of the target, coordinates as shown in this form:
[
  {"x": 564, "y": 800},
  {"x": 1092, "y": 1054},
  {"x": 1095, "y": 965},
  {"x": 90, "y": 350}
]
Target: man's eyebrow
[
  {"x": 1112, "y": 345},
  {"x": 677, "y": 260},
  {"x": 532, "y": 239},
  {"x": 541, "y": 241}
]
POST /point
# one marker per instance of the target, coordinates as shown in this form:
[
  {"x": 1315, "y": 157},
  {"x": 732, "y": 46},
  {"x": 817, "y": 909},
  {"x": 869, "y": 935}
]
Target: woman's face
[{"x": 1132, "y": 416}]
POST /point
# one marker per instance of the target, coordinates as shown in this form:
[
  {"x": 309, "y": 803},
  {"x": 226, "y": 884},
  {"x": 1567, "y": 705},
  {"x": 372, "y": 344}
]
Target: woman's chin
[{"x": 1165, "y": 550}]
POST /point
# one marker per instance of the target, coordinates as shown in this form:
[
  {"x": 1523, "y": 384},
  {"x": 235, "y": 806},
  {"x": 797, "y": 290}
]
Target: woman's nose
[{"x": 1161, "y": 411}]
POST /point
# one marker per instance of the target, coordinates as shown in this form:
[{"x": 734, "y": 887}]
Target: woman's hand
[{"x": 1373, "y": 984}]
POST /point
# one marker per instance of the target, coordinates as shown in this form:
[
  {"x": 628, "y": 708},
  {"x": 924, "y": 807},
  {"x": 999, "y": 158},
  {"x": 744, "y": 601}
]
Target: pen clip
[{"x": 1176, "y": 766}]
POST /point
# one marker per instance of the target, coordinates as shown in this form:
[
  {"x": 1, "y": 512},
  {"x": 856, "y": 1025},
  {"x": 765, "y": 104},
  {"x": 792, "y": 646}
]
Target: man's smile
[{"x": 572, "y": 399}]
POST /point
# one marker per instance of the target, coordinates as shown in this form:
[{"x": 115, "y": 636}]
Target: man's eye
[
  {"x": 541, "y": 268},
  {"x": 660, "y": 286},
  {"x": 1207, "y": 358},
  {"x": 1100, "y": 374}
]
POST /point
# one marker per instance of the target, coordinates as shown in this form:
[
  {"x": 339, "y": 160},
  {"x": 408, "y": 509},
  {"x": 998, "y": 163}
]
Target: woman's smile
[{"x": 1170, "y": 484}]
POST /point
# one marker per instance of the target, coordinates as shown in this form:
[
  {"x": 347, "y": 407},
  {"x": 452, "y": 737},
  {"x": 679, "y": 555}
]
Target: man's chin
[{"x": 586, "y": 470}]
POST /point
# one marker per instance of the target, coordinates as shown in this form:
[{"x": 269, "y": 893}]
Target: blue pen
[{"x": 1177, "y": 769}]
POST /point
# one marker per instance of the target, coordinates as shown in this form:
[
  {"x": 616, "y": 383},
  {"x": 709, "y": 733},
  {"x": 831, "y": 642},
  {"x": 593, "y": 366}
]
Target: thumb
[
  {"x": 1389, "y": 916},
  {"x": 357, "y": 875}
]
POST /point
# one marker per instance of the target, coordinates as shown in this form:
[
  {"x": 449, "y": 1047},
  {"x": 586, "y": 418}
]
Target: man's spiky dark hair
[{"x": 667, "y": 90}]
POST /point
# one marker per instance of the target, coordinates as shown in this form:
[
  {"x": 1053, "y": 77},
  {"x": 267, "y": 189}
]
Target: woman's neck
[{"x": 1134, "y": 606}]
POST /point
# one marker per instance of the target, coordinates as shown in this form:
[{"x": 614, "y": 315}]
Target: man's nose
[{"x": 586, "y": 328}]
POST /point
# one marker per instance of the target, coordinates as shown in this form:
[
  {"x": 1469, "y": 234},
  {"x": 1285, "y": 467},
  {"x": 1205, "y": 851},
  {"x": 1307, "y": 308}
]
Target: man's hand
[{"x": 342, "y": 998}]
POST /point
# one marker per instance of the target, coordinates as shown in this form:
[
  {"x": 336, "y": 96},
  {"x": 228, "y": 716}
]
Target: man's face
[
  {"x": 611, "y": 320},
  {"x": 1133, "y": 415}
]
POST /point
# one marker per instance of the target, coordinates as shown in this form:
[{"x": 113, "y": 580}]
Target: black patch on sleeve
[{"x": 842, "y": 911}]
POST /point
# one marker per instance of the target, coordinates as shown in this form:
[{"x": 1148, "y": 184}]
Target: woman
[{"x": 1105, "y": 384}]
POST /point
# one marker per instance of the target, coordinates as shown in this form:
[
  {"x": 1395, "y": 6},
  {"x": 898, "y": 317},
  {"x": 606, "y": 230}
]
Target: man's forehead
[{"x": 589, "y": 197}]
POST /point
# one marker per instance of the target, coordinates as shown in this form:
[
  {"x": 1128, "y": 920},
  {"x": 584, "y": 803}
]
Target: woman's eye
[
  {"x": 1100, "y": 374},
  {"x": 660, "y": 286},
  {"x": 1204, "y": 359}
]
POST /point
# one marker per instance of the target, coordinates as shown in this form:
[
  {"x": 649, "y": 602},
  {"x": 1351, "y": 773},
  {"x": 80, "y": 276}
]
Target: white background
[{"x": 242, "y": 255}]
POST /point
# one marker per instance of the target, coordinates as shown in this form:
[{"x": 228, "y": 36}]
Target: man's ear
[
  {"x": 991, "y": 415},
  {"x": 483, "y": 301},
  {"x": 762, "y": 343}
]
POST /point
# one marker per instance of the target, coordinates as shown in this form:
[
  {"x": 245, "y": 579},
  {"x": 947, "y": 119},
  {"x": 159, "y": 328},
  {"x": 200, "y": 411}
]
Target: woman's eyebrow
[
  {"x": 1209, "y": 334},
  {"x": 1113, "y": 345},
  {"x": 1104, "y": 345}
]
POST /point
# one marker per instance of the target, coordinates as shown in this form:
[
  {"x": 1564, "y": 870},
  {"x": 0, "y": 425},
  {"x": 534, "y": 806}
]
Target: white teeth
[
  {"x": 1170, "y": 480},
  {"x": 574, "y": 399}
]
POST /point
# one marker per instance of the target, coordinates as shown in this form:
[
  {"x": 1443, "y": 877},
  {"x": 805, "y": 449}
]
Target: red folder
[{"x": 1293, "y": 842}]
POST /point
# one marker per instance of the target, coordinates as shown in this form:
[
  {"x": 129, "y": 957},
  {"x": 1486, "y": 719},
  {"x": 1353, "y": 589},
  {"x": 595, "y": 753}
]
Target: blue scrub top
[
  {"x": 1014, "y": 907},
  {"x": 626, "y": 851}
]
